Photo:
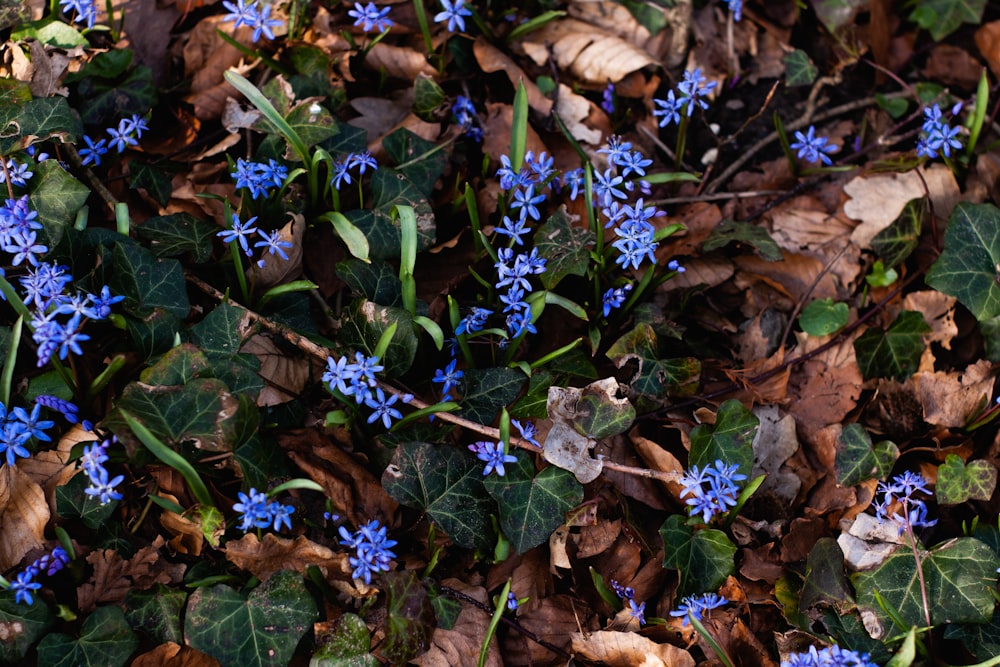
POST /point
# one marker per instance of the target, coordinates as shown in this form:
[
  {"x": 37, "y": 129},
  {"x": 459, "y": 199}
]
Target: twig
[
  {"x": 74, "y": 159},
  {"x": 720, "y": 196},
  {"x": 808, "y": 292}
]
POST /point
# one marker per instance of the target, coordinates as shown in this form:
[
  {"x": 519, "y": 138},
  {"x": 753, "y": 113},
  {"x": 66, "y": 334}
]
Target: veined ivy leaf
[
  {"x": 656, "y": 377},
  {"x": 223, "y": 330},
  {"x": 532, "y": 506},
  {"x": 447, "y": 483},
  {"x": 375, "y": 280},
  {"x": 823, "y": 317},
  {"x": 73, "y": 503},
  {"x": 178, "y": 234},
  {"x": 799, "y": 69},
  {"x": 157, "y": 612},
  {"x": 744, "y": 232},
  {"x": 312, "y": 128},
  {"x": 894, "y": 352},
  {"x": 105, "y": 641},
  {"x": 40, "y": 119},
  {"x": 147, "y": 282},
  {"x": 729, "y": 440},
  {"x": 364, "y": 324},
  {"x": 895, "y": 243},
  {"x": 943, "y": 17},
  {"x": 57, "y": 197},
  {"x": 256, "y": 630},
  {"x": 958, "y": 481},
  {"x": 981, "y": 639},
  {"x": 599, "y": 411},
  {"x": 178, "y": 366},
  {"x": 487, "y": 390},
  {"x": 960, "y": 576},
  {"x": 154, "y": 332},
  {"x": 826, "y": 581},
  {"x": 857, "y": 460},
  {"x": 24, "y": 624},
  {"x": 704, "y": 558},
  {"x": 428, "y": 96},
  {"x": 420, "y": 160},
  {"x": 967, "y": 268},
  {"x": 411, "y": 619},
  {"x": 347, "y": 644},
  {"x": 565, "y": 246},
  {"x": 394, "y": 188}
]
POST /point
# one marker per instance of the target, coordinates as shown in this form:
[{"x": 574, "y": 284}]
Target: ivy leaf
[
  {"x": 105, "y": 641},
  {"x": 312, "y": 128},
  {"x": 423, "y": 163},
  {"x": 857, "y": 460},
  {"x": 24, "y": 625},
  {"x": 411, "y": 619},
  {"x": 894, "y": 352},
  {"x": 730, "y": 440},
  {"x": 57, "y": 197},
  {"x": 365, "y": 322},
  {"x": 823, "y": 317},
  {"x": 704, "y": 559},
  {"x": 565, "y": 246},
  {"x": 958, "y": 481},
  {"x": 157, "y": 612},
  {"x": 222, "y": 331},
  {"x": 600, "y": 412},
  {"x": 487, "y": 390},
  {"x": 147, "y": 282},
  {"x": 428, "y": 96},
  {"x": 154, "y": 332},
  {"x": 178, "y": 234},
  {"x": 943, "y": 17},
  {"x": 744, "y": 232},
  {"x": 960, "y": 577},
  {"x": 260, "y": 461},
  {"x": 157, "y": 182},
  {"x": 826, "y": 582},
  {"x": 346, "y": 644},
  {"x": 40, "y": 119},
  {"x": 895, "y": 243},
  {"x": 394, "y": 188},
  {"x": 532, "y": 506},
  {"x": 375, "y": 280},
  {"x": 799, "y": 69},
  {"x": 73, "y": 503},
  {"x": 967, "y": 268},
  {"x": 447, "y": 483},
  {"x": 256, "y": 630}
]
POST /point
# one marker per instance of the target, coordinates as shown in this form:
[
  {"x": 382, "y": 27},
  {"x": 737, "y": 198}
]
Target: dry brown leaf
[
  {"x": 598, "y": 538},
  {"x": 188, "y": 536},
  {"x": 48, "y": 69},
  {"x": 643, "y": 489},
  {"x": 492, "y": 59},
  {"x": 460, "y": 646},
  {"x": 795, "y": 277},
  {"x": 378, "y": 115},
  {"x": 988, "y": 41},
  {"x": 277, "y": 271},
  {"x": 174, "y": 655},
  {"x": 50, "y": 468},
  {"x": 775, "y": 443},
  {"x": 951, "y": 399},
  {"x": 668, "y": 45},
  {"x": 206, "y": 58},
  {"x": 579, "y": 115},
  {"x": 553, "y": 619},
  {"x": 657, "y": 458},
  {"x": 826, "y": 237},
  {"x": 496, "y": 142},
  {"x": 938, "y": 310},
  {"x": 953, "y": 66},
  {"x": 285, "y": 374},
  {"x": 262, "y": 558},
  {"x": 398, "y": 61},
  {"x": 114, "y": 576},
  {"x": 878, "y": 199},
  {"x": 710, "y": 271},
  {"x": 826, "y": 387},
  {"x": 628, "y": 649},
  {"x": 23, "y": 515}
]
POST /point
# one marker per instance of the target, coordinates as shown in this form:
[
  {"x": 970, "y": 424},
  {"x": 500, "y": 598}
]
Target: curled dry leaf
[
  {"x": 262, "y": 558},
  {"x": 774, "y": 443},
  {"x": 573, "y": 110},
  {"x": 51, "y": 468},
  {"x": 206, "y": 58},
  {"x": 825, "y": 237},
  {"x": 628, "y": 649},
  {"x": 670, "y": 45},
  {"x": 826, "y": 387},
  {"x": 492, "y": 59},
  {"x": 115, "y": 576},
  {"x": 285, "y": 374},
  {"x": 588, "y": 52},
  {"x": 659, "y": 459},
  {"x": 174, "y": 655},
  {"x": 188, "y": 536},
  {"x": 459, "y": 647},
  {"x": 23, "y": 515},
  {"x": 398, "y": 61},
  {"x": 952, "y": 399},
  {"x": 988, "y": 41},
  {"x": 277, "y": 271}
]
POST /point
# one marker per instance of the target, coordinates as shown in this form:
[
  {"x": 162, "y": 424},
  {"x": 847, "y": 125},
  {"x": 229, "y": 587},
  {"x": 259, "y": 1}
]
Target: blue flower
[
  {"x": 812, "y": 148},
  {"x": 695, "y": 607},
  {"x": 339, "y": 374},
  {"x": 382, "y": 407},
  {"x": 263, "y": 24},
  {"x": 449, "y": 378},
  {"x": 69, "y": 411},
  {"x": 370, "y": 17},
  {"x": 473, "y": 322},
  {"x": 527, "y": 430},
  {"x": 362, "y": 161},
  {"x": 574, "y": 179},
  {"x": 453, "y": 13},
  {"x": 19, "y": 174},
  {"x": 512, "y": 601},
  {"x": 273, "y": 244},
  {"x": 519, "y": 322},
  {"x": 693, "y": 87},
  {"x": 608, "y": 98},
  {"x": 241, "y": 13},
  {"x": 638, "y": 611},
  {"x": 721, "y": 493},
  {"x": 514, "y": 229},
  {"x": 85, "y": 10},
  {"x": 93, "y": 152},
  {"x": 239, "y": 232},
  {"x": 606, "y": 188},
  {"x": 899, "y": 505},
  {"x": 341, "y": 174},
  {"x": 371, "y": 546},
  {"x": 24, "y": 587},
  {"x": 526, "y": 200},
  {"x": 633, "y": 161},
  {"x": 101, "y": 303},
  {"x": 833, "y": 656},
  {"x": 121, "y": 137},
  {"x": 493, "y": 454},
  {"x": 736, "y": 7},
  {"x": 102, "y": 488},
  {"x": 34, "y": 427},
  {"x": 615, "y": 297},
  {"x": 24, "y": 248},
  {"x": 254, "y": 509},
  {"x": 281, "y": 514},
  {"x": 668, "y": 110}
]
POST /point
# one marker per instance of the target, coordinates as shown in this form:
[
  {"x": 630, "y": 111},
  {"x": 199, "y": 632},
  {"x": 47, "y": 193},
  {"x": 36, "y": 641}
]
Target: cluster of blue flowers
[
  {"x": 936, "y": 134},
  {"x": 898, "y": 503},
  {"x": 257, "y": 512},
  {"x": 812, "y": 148},
  {"x": 127, "y": 133},
  {"x": 468, "y": 121},
  {"x": 608, "y": 98},
  {"x": 18, "y": 231},
  {"x": 833, "y": 656},
  {"x": 86, "y": 11},
  {"x": 494, "y": 454},
  {"x": 24, "y": 586},
  {"x": 257, "y": 177},
  {"x": 92, "y": 462},
  {"x": 692, "y": 90},
  {"x": 371, "y": 546},
  {"x": 252, "y": 16},
  {"x": 341, "y": 168},
  {"x": 711, "y": 491},
  {"x": 627, "y": 594},
  {"x": 241, "y": 232},
  {"x": 358, "y": 380},
  {"x": 696, "y": 607},
  {"x": 736, "y": 7},
  {"x": 370, "y": 17},
  {"x": 17, "y": 427}
]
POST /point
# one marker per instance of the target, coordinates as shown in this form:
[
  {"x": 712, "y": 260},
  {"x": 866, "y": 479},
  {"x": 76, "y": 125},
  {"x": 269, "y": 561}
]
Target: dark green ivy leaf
[
  {"x": 744, "y": 232},
  {"x": 565, "y": 246},
  {"x": 943, "y": 17},
  {"x": 895, "y": 243},
  {"x": 346, "y": 644},
  {"x": 375, "y": 280},
  {"x": 958, "y": 481},
  {"x": 857, "y": 459},
  {"x": 178, "y": 234},
  {"x": 799, "y": 69},
  {"x": 24, "y": 624},
  {"x": 147, "y": 282},
  {"x": 411, "y": 619},
  {"x": 363, "y": 325},
  {"x": 967, "y": 268},
  {"x": 105, "y": 641},
  {"x": 157, "y": 182},
  {"x": 704, "y": 558},
  {"x": 40, "y": 119},
  {"x": 57, "y": 197},
  {"x": 73, "y": 503},
  {"x": 156, "y": 612},
  {"x": 895, "y": 352},
  {"x": 420, "y": 160},
  {"x": 487, "y": 390},
  {"x": 729, "y": 440}
]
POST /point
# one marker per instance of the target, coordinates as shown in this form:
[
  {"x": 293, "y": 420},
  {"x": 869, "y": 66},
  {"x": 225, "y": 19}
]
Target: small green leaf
[
  {"x": 24, "y": 624},
  {"x": 363, "y": 326},
  {"x": 157, "y": 182},
  {"x": 105, "y": 641},
  {"x": 958, "y": 481},
  {"x": 894, "y": 352},
  {"x": 704, "y": 558},
  {"x": 730, "y": 440},
  {"x": 57, "y": 197},
  {"x": 744, "y": 232},
  {"x": 565, "y": 246},
  {"x": 73, "y": 503},
  {"x": 49, "y": 31},
  {"x": 411, "y": 619},
  {"x": 967, "y": 268},
  {"x": 823, "y": 317},
  {"x": 312, "y": 128},
  {"x": 147, "y": 282},
  {"x": 222, "y": 331},
  {"x": 799, "y": 69},
  {"x": 156, "y": 612},
  {"x": 487, "y": 390},
  {"x": 881, "y": 276},
  {"x": 428, "y": 97},
  {"x": 857, "y": 460},
  {"x": 835, "y": 14},
  {"x": 895, "y": 243},
  {"x": 600, "y": 412},
  {"x": 354, "y": 238},
  {"x": 532, "y": 506},
  {"x": 943, "y": 17},
  {"x": 447, "y": 483},
  {"x": 178, "y": 234},
  {"x": 256, "y": 630},
  {"x": 960, "y": 577},
  {"x": 346, "y": 644},
  {"x": 894, "y": 106}
]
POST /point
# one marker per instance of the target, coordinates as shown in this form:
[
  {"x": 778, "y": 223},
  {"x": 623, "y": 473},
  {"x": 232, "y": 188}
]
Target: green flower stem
[
  {"x": 710, "y": 640},
  {"x": 494, "y": 622},
  {"x": 10, "y": 361}
]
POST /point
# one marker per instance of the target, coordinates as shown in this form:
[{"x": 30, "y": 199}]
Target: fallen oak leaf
[{"x": 262, "y": 558}]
